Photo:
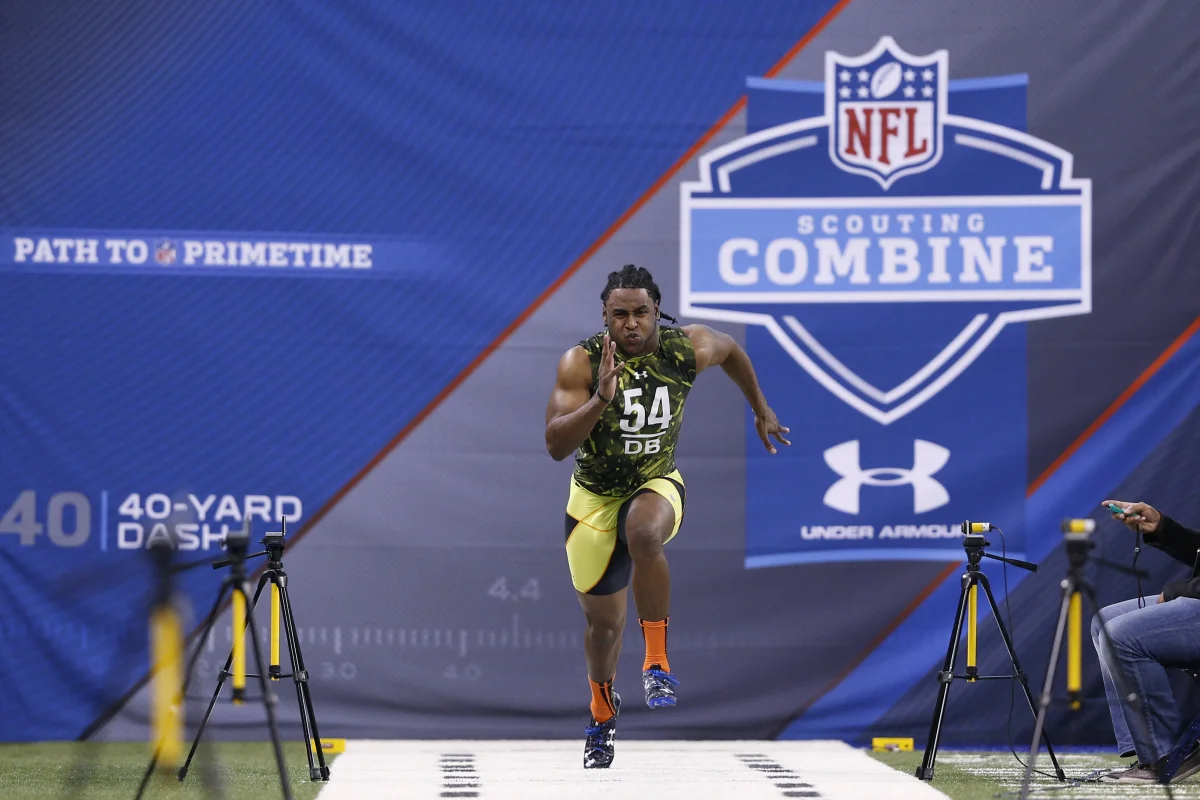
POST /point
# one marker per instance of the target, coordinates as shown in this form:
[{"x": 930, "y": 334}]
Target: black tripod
[
  {"x": 968, "y": 599},
  {"x": 237, "y": 544},
  {"x": 1078, "y": 543},
  {"x": 281, "y": 607}
]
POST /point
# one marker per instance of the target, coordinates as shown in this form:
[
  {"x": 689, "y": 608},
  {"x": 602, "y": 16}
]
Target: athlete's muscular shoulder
[
  {"x": 576, "y": 366},
  {"x": 675, "y": 346},
  {"x": 572, "y": 384},
  {"x": 711, "y": 346}
]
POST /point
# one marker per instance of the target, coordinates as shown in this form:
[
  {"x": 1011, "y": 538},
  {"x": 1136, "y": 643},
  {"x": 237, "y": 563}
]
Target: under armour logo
[
  {"x": 928, "y": 494},
  {"x": 639, "y": 375}
]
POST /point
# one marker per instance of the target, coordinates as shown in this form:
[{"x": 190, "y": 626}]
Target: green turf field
[
  {"x": 44, "y": 771},
  {"x": 983, "y": 776}
]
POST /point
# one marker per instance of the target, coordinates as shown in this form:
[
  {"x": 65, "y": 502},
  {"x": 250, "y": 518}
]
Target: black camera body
[
  {"x": 1077, "y": 545},
  {"x": 273, "y": 541},
  {"x": 975, "y": 540},
  {"x": 237, "y": 542}
]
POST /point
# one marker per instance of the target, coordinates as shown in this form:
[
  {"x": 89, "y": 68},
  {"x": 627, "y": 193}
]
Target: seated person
[{"x": 1148, "y": 636}]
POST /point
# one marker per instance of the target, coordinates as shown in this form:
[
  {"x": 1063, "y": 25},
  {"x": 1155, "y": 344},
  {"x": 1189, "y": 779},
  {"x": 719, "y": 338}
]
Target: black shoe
[
  {"x": 598, "y": 748},
  {"x": 660, "y": 687},
  {"x": 1137, "y": 772}
]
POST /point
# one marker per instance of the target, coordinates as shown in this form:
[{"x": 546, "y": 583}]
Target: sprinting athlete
[{"x": 618, "y": 405}]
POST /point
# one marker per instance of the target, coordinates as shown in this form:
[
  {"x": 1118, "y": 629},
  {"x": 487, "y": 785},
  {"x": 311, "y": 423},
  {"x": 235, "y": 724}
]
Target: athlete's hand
[
  {"x": 1137, "y": 516},
  {"x": 767, "y": 425},
  {"x": 610, "y": 368}
]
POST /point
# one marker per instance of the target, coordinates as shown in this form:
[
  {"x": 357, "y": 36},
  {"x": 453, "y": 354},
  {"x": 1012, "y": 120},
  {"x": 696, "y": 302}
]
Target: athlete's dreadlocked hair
[{"x": 634, "y": 277}]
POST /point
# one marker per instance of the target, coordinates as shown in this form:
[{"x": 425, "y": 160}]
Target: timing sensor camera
[
  {"x": 238, "y": 541},
  {"x": 973, "y": 533}
]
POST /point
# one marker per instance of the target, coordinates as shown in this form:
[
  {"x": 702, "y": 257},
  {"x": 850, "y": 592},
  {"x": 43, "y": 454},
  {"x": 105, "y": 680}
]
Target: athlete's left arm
[{"x": 714, "y": 348}]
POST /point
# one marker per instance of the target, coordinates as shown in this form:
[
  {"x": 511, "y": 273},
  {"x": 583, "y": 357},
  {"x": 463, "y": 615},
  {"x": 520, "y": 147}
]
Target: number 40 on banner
[{"x": 22, "y": 519}]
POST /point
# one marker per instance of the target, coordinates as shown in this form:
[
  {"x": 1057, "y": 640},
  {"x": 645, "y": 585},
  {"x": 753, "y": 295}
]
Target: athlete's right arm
[{"x": 573, "y": 408}]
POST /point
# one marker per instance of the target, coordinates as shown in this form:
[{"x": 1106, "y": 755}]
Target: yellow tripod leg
[
  {"x": 239, "y": 646},
  {"x": 166, "y": 714},
  {"x": 972, "y": 631},
  {"x": 1074, "y": 650},
  {"x": 275, "y": 632}
]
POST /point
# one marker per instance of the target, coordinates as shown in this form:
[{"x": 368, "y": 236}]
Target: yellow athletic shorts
[{"x": 596, "y": 546}]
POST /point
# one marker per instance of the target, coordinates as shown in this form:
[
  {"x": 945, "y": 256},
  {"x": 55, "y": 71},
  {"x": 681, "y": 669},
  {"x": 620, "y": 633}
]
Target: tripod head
[
  {"x": 274, "y": 541},
  {"x": 974, "y": 543},
  {"x": 238, "y": 542},
  {"x": 1077, "y": 539}
]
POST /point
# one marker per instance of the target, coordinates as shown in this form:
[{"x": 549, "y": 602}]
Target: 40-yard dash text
[{"x": 196, "y": 522}]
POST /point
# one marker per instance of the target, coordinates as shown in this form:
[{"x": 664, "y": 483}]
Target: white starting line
[{"x": 533, "y": 770}]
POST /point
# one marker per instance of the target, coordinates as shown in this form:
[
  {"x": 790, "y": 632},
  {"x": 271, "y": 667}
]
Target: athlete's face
[{"x": 632, "y": 320}]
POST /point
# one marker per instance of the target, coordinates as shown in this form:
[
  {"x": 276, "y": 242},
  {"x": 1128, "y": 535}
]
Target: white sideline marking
[{"x": 537, "y": 770}]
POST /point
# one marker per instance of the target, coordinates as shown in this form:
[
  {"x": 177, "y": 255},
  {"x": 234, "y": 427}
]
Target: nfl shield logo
[
  {"x": 164, "y": 252},
  {"x": 887, "y": 293},
  {"x": 885, "y": 111}
]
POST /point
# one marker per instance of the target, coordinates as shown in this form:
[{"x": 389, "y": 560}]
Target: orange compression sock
[
  {"x": 602, "y": 702},
  {"x": 655, "y": 634}
]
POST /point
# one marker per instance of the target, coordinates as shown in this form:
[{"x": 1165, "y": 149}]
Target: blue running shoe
[
  {"x": 598, "y": 750},
  {"x": 660, "y": 687}
]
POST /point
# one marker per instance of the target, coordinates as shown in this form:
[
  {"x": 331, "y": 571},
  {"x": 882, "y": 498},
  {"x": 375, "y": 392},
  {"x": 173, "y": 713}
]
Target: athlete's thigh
[
  {"x": 598, "y": 560},
  {"x": 654, "y": 512},
  {"x": 649, "y": 516}
]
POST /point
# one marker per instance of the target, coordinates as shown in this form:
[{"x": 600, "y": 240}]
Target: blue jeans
[{"x": 1144, "y": 643}]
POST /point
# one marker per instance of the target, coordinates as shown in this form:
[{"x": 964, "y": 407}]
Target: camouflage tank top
[{"x": 634, "y": 439}]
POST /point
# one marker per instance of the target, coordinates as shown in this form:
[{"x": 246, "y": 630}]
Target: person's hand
[
  {"x": 1162, "y": 598},
  {"x": 1137, "y": 516},
  {"x": 767, "y": 425},
  {"x": 610, "y": 368}
]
